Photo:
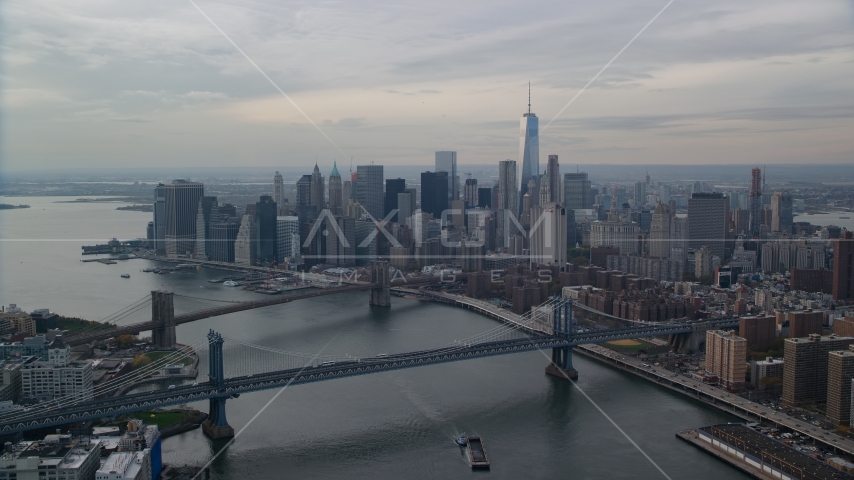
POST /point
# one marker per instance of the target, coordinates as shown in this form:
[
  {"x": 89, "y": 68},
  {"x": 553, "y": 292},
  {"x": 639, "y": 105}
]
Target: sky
[{"x": 95, "y": 83}]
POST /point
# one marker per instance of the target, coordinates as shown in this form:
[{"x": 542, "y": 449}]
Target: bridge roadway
[
  {"x": 238, "y": 385},
  {"x": 136, "y": 328}
]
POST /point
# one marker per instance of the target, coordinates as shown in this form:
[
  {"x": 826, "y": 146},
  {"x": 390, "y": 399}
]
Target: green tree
[{"x": 140, "y": 361}]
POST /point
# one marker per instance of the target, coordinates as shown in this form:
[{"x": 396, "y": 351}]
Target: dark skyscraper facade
[
  {"x": 304, "y": 190},
  {"x": 393, "y": 186},
  {"x": 369, "y": 189},
  {"x": 434, "y": 193},
  {"x": 484, "y": 197},
  {"x": 181, "y": 208},
  {"x": 265, "y": 222},
  {"x": 843, "y": 267},
  {"x": 755, "y": 202},
  {"x": 553, "y": 171},
  {"x": 160, "y": 218}
]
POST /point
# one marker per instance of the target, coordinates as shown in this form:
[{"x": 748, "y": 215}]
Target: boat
[
  {"x": 844, "y": 218},
  {"x": 461, "y": 440},
  {"x": 149, "y": 269},
  {"x": 230, "y": 283},
  {"x": 477, "y": 454},
  {"x": 125, "y": 275},
  {"x": 161, "y": 272}
]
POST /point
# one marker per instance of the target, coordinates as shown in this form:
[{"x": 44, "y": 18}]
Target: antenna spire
[{"x": 529, "y": 98}]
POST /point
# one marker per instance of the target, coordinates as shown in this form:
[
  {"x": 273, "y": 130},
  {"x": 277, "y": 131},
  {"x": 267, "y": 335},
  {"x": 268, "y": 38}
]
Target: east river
[{"x": 391, "y": 425}]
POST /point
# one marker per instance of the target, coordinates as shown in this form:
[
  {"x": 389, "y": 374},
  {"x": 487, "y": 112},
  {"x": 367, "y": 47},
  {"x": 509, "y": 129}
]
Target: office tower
[
  {"x": 265, "y": 220},
  {"x": 544, "y": 192},
  {"x": 805, "y": 368},
  {"x": 393, "y": 186},
  {"x": 548, "y": 235},
  {"x": 576, "y": 191},
  {"x": 405, "y": 205},
  {"x": 470, "y": 193},
  {"x": 223, "y": 236},
  {"x": 665, "y": 193},
  {"x": 707, "y": 222},
  {"x": 336, "y": 192},
  {"x": 369, "y": 189},
  {"x": 160, "y": 218},
  {"x": 206, "y": 214},
  {"x": 759, "y": 332},
  {"x": 304, "y": 191},
  {"x": 484, "y": 197},
  {"x": 245, "y": 242},
  {"x": 619, "y": 196},
  {"x": 843, "y": 267},
  {"x": 640, "y": 194},
  {"x": 740, "y": 221},
  {"x": 341, "y": 241},
  {"x": 840, "y": 372},
  {"x": 703, "y": 262},
  {"x": 755, "y": 202},
  {"x": 615, "y": 232},
  {"x": 317, "y": 189},
  {"x": 434, "y": 193},
  {"x": 781, "y": 212},
  {"x": 278, "y": 190},
  {"x": 287, "y": 238},
  {"x": 659, "y": 233},
  {"x": 346, "y": 192},
  {"x": 726, "y": 357},
  {"x": 447, "y": 162},
  {"x": 508, "y": 202},
  {"x": 679, "y": 239},
  {"x": 534, "y": 190},
  {"x": 181, "y": 205},
  {"x": 553, "y": 171},
  {"x": 529, "y": 147}
]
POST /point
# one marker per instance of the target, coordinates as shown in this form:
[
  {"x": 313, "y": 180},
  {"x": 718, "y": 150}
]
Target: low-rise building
[
  {"x": 58, "y": 376},
  {"x": 58, "y": 457},
  {"x": 768, "y": 368}
]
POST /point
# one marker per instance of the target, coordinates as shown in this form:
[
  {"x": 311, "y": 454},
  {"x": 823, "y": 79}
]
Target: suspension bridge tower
[
  {"x": 381, "y": 294},
  {"x": 216, "y": 425},
  {"x": 163, "y": 312},
  {"x": 561, "y": 365}
]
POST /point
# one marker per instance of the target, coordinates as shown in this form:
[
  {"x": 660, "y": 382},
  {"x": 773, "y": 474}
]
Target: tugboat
[
  {"x": 125, "y": 275},
  {"x": 461, "y": 440}
]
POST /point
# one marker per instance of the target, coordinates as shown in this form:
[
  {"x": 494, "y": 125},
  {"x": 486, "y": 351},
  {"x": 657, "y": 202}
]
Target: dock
[{"x": 477, "y": 454}]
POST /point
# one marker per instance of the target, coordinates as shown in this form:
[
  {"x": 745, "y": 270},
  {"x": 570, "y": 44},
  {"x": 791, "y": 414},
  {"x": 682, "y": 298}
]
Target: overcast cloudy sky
[{"x": 94, "y": 83}]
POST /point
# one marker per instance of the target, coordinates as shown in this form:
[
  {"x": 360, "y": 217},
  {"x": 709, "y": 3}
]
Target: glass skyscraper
[
  {"x": 447, "y": 162},
  {"x": 529, "y": 148}
]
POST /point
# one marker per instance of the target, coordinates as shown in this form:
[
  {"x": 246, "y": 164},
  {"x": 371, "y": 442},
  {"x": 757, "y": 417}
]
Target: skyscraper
[
  {"x": 207, "y": 214},
  {"x": 287, "y": 237},
  {"x": 434, "y": 193},
  {"x": 553, "y": 171},
  {"x": 160, "y": 218},
  {"x": 529, "y": 147},
  {"x": 278, "y": 190},
  {"x": 755, "y": 202},
  {"x": 447, "y": 162},
  {"x": 223, "y": 235},
  {"x": 265, "y": 221},
  {"x": 576, "y": 191},
  {"x": 508, "y": 201},
  {"x": 181, "y": 208},
  {"x": 484, "y": 197},
  {"x": 640, "y": 194},
  {"x": 659, "y": 233},
  {"x": 470, "y": 193},
  {"x": 843, "y": 267},
  {"x": 317, "y": 189},
  {"x": 726, "y": 357},
  {"x": 369, "y": 189},
  {"x": 245, "y": 242},
  {"x": 548, "y": 234},
  {"x": 405, "y": 205},
  {"x": 781, "y": 212},
  {"x": 707, "y": 222},
  {"x": 805, "y": 368},
  {"x": 393, "y": 186},
  {"x": 304, "y": 191},
  {"x": 336, "y": 192}
]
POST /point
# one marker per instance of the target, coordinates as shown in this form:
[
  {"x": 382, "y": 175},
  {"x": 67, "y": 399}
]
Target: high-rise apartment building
[
  {"x": 726, "y": 357},
  {"x": 393, "y": 187},
  {"x": 181, "y": 208},
  {"x": 755, "y": 202},
  {"x": 434, "y": 195},
  {"x": 548, "y": 235},
  {"x": 553, "y": 171},
  {"x": 447, "y": 162},
  {"x": 707, "y": 222},
  {"x": 843, "y": 267},
  {"x": 759, "y": 332},
  {"x": 804, "y": 323},
  {"x": 529, "y": 148},
  {"x": 805, "y": 369},
  {"x": 265, "y": 221},
  {"x": 576, "y": 191},
  {"x": 278, "y": 190},
  {"x": 369, "y": 189},
  {"x": 336, "y": 192},
  {"x": 160, "y": 218},
  {"x": 659, "y": 233},
  {"x": 781, "y": 212},
  {"x": 470, "y": 193},
  {"x": 840, "y": 372}
]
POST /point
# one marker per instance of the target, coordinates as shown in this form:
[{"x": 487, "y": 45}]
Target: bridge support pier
[
  {"x": 163, "y": 312},
  {"x": 561, "y": 365},
  {"x": 216, "y": 425},
  {"x": 381, "y": 295}
]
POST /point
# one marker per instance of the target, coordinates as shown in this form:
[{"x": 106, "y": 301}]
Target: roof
[
  {"x": 334, "y": 170},
  {"x": 660, "y": 209}
]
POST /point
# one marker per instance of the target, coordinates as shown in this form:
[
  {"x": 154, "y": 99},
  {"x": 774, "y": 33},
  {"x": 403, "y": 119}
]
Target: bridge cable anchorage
[{"x": 185, "y": 351}]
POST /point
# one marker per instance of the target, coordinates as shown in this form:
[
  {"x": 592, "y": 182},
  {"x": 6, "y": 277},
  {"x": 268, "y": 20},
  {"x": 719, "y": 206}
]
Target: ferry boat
[
  {"x": 125, "y": 275},
  {"x": 230, "y": 283}
]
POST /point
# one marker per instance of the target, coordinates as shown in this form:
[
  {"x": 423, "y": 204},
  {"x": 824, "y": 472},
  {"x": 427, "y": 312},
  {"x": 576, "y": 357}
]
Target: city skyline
[{"x": 662, "y": 101}]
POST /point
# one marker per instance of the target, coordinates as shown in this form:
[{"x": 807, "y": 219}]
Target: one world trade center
[{"x": 529, "y": 149}]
